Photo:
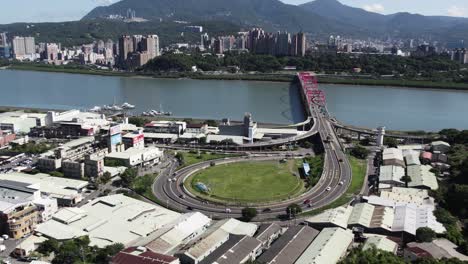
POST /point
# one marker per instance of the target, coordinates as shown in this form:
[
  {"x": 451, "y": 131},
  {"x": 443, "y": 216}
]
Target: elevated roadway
[{"x": 169, "y": 186}]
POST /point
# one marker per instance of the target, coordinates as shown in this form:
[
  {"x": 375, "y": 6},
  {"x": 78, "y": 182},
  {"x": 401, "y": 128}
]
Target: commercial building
[
  {"x": 183, "y": 230},
  {"x": 237, "y": 250},
  {"x": 135, "y": 139},
  {"x": 393, "y": 156},
  {"x": 328, "y": 247},
  {"x": 422, "y": 177},
  {"x": 412, "y": 157},
  {"x": 6, "y": 136},
  {"x": 108, "y": 220},
  {"x": 20, "y": 122},
  {"x": 68, "y": 192},
  {"x": 134, "y": 157},
  {"x": 141, "y": 255},
  {"x": 73, "y": 169},
  {"x": 289, "y": 246},
  {"x": 22, "y": 207},
  {"x": 94, "y": 164},
  {"x": 169, "y": 127}
]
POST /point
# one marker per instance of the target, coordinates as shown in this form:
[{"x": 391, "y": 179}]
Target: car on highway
[
  {"x": 182, "y": 196},
  {"x": 341, "y": 183},
  {"x": 228, "y": 210},
  {"x": 266, "y": 210},
  {"x": 307, "y": 201},
  {"x": 328, "y": 189}
]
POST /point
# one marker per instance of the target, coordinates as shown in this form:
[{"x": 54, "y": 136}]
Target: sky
[{"x": 66, "y": 10}]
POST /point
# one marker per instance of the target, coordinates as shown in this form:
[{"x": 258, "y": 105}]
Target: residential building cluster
[
  {"x": 257, "y": 41},
  {"x": 129, "y": 52}
]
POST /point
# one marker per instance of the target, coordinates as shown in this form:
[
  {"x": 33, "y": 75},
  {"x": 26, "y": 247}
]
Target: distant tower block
[{"x": 380, "y": 136}]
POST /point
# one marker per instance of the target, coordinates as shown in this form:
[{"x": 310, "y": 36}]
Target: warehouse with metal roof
[
  {"x": 380, "y": 242},
  {"x": 108, "y": 220},
  {"x": 328, "y": 247},
  {"x": 422, "y": 177},
  {"x": 391, "y": 174},
  {"x": 290, "y": 246},
  {"x": 393, "y": 156},
  {"x": 336, "y": 217}
]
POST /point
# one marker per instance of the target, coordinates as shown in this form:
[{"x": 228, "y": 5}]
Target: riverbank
[{"x": 419, "y": 84}]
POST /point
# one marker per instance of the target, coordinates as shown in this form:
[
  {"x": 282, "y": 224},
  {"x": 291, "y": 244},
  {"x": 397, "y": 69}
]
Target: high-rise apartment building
[
  {"x": 125, "y": 48},
  {"x": 150, "y": 44},
  {"x": 51, "y": 51},
  {"x": 298, "y": 45},
  {"x": 23, "y": 46}
]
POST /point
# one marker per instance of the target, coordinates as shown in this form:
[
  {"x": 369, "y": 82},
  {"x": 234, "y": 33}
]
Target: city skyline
[{"x": 74, "y": 10}]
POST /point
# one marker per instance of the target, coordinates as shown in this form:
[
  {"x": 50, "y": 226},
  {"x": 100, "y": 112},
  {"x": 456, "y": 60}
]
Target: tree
[
  {"x": 371, "y": 256},
  {"x": 248, "y": 214},
  {"x": 180, "y": 157},
  {"x": 406, "y": 179},
  {"x": 48, "y": 246},
  {"x": 293, "y": 209},
  {"x": 360, "y": 152},
  {"x": 128, "y": 176},
  {"x": 390, "y": 142},
  {"x": 425, "y": 234},
  {"x": 106, "y": 177}
]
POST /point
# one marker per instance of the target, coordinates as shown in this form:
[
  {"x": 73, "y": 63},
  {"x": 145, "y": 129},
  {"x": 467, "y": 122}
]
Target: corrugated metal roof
[{"x": 328, "y": 247}]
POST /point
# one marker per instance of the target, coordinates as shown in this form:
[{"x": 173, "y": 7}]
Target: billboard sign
[
  {"x": 113, "y": 130},
  {"x": 138, "y": 139},
  {"x": 116, "y": 139}
]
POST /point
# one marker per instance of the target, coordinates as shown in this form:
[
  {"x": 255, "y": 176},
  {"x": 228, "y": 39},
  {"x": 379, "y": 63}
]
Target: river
[{"x": 269, "y": 102}]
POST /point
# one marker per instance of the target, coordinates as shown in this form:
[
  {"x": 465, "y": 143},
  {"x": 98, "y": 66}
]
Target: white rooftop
[
  {"x": 410, "y": 217},
  {"x": 380, "y": 242},
  {"x": 392, "y": 153},
  {"x": 338, "y": 216},
  {"x": 402, "y": 196},
  {"x": 421, "y": 176},
  {"x": 108, "y": 220},
  {"x": 361, "y": 214},
  {"x": 391, "y": 173},
  {"x": 328, "y": 247},
  {"x": 184, "y": 228},
  {"x": 236, "y": 227},
  {"x": 55, "y": 186}
]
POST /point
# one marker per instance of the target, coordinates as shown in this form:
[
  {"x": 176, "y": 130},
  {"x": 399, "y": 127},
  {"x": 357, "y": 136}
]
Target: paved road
[{"x": 336, "y": 169}]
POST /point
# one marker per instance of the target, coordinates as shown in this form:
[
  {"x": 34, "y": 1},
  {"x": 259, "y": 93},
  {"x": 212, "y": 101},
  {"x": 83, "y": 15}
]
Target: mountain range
[{"x": 319, "y": 17}]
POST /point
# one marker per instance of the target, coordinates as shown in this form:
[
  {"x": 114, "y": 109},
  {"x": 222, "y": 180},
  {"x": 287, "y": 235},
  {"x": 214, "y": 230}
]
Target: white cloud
[
  {"x": 376, "y": 8},
  {"x": 457, "y": 11}
]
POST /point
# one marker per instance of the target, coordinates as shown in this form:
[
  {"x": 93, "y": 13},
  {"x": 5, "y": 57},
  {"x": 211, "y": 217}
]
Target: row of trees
[
  {"x": 78, "y": 250},
  {"x": 411, "y": 67}
]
